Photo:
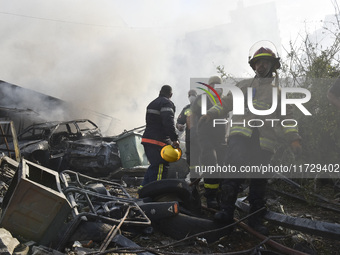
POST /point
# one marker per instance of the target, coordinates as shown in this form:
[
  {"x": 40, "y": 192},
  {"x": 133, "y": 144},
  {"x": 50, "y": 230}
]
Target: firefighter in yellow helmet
[{"x": 249, "y": 145}]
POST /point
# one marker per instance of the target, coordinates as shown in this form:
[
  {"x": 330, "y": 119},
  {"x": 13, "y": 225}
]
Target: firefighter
[
  {"x": 333, "y": 93},
  {"x": 159, "y": 131},
  {"x": 252, "y": 145},
  {"x": 183, "y": 122},
  {"x": 211, "y": 143}
]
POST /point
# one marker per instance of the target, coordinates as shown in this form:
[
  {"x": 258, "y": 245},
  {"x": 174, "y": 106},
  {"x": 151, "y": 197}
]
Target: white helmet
[{"x": 214, "y": 80}]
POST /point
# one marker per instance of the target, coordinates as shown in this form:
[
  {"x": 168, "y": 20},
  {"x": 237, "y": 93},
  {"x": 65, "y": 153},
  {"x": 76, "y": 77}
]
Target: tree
[{"x": 311, "y": 66}]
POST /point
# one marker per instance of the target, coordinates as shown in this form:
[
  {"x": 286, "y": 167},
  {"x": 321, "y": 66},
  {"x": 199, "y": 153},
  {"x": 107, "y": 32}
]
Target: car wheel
[
  {"x": 169, "y": 187},
  {"x": 95, "y": 231},
  {"x": 168, "y": 190}
]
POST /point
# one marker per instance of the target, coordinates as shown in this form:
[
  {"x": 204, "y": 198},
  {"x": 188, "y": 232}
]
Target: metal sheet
[{"x": 34, "y": 206}]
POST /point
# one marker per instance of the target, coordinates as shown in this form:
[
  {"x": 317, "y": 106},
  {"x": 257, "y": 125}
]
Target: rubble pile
[
  {"x": 47, "y": 207},
  {"x": 44, "y": 211}
]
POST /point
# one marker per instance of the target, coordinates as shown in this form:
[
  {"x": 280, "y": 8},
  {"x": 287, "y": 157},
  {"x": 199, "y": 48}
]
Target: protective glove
[
  {"x": 175, "y": 144},
  {"x": 296, "y": 147}
]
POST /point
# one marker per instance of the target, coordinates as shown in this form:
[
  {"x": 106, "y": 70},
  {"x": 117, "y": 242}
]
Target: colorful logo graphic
[{"x": 209, "y": 93}]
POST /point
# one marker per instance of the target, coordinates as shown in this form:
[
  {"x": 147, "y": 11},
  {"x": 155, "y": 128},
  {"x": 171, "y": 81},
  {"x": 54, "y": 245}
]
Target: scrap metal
[
  {"x": 8, "y": 135},
  {"x": 313, "y": 227}
]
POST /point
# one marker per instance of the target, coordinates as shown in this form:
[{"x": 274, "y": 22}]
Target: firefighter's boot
[
  {"x": 228, "y": 198},
  {"x": 225, "y": 215},
  {"x": 256, "y": 221},
  {"x": 211, "y": 197}
]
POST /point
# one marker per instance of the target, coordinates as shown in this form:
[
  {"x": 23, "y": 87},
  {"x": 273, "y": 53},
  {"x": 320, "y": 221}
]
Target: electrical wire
[{"x": 59, "y": 20}]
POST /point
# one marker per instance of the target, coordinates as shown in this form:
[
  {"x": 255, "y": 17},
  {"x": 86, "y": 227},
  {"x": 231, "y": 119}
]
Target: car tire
[
  {"x": 95, "y": 231},
  {"x": 166, "y": 187},
  {"x": 168, "y": 190}
]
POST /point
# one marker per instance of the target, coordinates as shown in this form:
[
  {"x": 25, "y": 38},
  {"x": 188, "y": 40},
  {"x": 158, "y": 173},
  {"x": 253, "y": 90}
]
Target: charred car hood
[
  {"x": 92, "y": 147},
  {"x": 29, "y": 146}
]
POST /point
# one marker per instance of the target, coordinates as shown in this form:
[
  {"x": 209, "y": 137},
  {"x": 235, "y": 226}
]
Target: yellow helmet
[{"x": 170, "y": 154}]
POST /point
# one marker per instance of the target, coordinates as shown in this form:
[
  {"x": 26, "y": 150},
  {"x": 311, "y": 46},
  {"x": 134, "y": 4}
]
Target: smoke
[
  {"x": 116, "y": 75},
  {"x": 110, "y": 59},
  {"x": 111, "y": 70}
]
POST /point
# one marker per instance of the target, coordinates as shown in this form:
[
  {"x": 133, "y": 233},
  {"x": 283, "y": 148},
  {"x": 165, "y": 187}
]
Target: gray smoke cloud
[
  {"x": 111, "y": 69},
  {"x": 97, "y": 57}
]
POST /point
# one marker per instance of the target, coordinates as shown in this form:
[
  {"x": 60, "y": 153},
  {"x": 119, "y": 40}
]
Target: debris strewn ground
[
  {"x": 67, "y": 212},
  {"x": 150, "y": 239}
]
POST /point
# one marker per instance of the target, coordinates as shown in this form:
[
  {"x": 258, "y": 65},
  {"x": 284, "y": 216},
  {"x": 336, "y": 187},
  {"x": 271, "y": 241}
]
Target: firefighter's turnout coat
[
  {"x": 160, "y": 126},
  {"x": 262, "y": 98}
]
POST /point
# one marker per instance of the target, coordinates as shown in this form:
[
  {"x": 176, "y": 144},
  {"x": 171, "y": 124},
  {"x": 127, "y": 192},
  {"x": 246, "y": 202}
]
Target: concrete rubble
[{"x": 7, "y": 242}]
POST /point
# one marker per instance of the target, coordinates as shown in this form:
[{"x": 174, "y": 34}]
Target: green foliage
[
  {"x": 316, "y": 69},
  {"x": 309, "y": 65},
  {"x": 222, "y": 72},
  {"x": 321, "y": 131}
]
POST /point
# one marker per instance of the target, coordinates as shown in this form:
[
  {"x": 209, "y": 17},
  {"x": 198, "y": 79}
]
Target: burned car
[{"x": 76, "y": 145}]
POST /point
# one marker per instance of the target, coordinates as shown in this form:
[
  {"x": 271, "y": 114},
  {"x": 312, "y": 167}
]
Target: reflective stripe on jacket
[{"x": 160, "y": 125}]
